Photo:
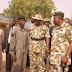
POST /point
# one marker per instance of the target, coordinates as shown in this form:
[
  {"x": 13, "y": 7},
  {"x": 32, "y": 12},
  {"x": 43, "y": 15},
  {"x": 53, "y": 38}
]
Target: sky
[
  {"x": 61, "y": 5},
  {"x": 3, "y": 5},
  {"x": 64, "y": 6}
]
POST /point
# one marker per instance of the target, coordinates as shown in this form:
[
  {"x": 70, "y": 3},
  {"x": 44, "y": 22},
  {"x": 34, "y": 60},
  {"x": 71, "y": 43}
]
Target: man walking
[
  {"x": 39, "y": 44},
  {"x": 6, "y": 43},
  {"x": 19, "y": 45},
  {"x": 61, "y": 45}
]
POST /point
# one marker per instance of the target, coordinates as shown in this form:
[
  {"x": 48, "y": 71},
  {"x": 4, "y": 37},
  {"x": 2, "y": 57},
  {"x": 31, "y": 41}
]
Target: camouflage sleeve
[
  {"x": 69, "y": 33},
  {"x": 29, "y": 31},
  {"x": 12, "y": 43},
  {"x": 47, "y": 35}
]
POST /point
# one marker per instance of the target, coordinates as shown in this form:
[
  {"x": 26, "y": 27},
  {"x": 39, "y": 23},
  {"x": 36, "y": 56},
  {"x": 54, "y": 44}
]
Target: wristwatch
[{"x": 67, "y": 56}]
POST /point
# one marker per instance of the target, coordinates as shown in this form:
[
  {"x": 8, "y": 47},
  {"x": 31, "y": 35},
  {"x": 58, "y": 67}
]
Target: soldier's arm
[
  {"x": 29, "y": 30},
  {"x": 70, "y": 48},
  {"x": 69, "y": 38},
  {"x": 47, "y": 36},
  {"x": 65, "y": 59}
]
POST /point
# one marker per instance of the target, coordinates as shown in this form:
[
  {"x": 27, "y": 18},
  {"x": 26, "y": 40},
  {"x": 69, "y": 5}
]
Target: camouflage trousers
[
  {"x": 58, "y": 68},
  {"x": 37, "y": 63}
]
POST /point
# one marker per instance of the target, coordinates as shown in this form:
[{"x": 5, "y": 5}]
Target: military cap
[
  {"x": 58, "y": 13},
  {"x": 21, "y": 17},
  {"x": 46, "y": 19},
  {"x": 38, "y": 17}
]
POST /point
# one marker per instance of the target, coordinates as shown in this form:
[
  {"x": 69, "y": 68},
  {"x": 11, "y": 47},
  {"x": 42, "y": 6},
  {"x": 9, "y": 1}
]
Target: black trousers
[
  {"x": 28, "y": 60},
  {"x": 70, "y": 67},
  {"x": 8, "y": 61}
]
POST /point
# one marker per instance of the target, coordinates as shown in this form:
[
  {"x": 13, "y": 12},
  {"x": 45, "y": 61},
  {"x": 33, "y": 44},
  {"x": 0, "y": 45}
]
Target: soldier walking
[
  {"x": 61, "y": 45},
  {"x": 39, "y": 44}
]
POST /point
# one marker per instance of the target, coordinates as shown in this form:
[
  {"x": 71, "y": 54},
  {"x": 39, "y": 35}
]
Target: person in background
[
  {"x": 27, "y": 24},
  {"x": 67, "y": 20},
  {"x": 39, "y": 44},
  {"x": 6, "y": 43},
  {"x": 1, "y": 40},
  {"x": 61, "y": 44},
  {"x": 19, "y": 45}
]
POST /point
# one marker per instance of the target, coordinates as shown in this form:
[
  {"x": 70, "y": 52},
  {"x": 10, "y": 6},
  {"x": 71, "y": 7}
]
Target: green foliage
[{"x": 29, "y": 7}]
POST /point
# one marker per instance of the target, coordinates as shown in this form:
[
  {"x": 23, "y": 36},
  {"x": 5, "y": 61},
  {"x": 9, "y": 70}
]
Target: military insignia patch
[
  {"x": 12, "y": 35},
  {"x": 54, "y": 14}
]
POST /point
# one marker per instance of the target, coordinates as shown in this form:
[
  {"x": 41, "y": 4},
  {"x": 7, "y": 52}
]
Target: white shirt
[
  {"x": 28, "y": 24},
  {"x": 10, "y": 34}
]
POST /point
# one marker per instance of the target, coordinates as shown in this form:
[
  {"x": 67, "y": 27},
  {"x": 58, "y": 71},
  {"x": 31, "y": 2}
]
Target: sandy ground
[{"x": 3, "y": 69}]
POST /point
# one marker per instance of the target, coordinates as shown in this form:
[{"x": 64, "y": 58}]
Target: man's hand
[
  {"x": 4, "y": 50},
  {"x": 64, "y": 60},
  {"x": 14, "y": 58},
  {"x": 47, "y": 50}
]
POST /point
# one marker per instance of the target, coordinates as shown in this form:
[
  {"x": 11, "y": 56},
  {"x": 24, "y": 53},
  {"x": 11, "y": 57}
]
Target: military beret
[
  {"x": 21, "y": 17},
  {"x": 59, "y": 13}
]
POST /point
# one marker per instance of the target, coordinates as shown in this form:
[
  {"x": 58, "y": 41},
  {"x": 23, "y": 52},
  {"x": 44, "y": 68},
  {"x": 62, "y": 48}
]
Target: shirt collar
[
  {"x": 13, "y": 27},
  {"x": 20, "y": 28},
  {"x": 61, "y": 25}
]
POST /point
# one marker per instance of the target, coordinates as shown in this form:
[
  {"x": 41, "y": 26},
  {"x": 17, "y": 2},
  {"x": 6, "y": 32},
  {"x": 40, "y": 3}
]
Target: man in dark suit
[{"x": 6, "y": 43}]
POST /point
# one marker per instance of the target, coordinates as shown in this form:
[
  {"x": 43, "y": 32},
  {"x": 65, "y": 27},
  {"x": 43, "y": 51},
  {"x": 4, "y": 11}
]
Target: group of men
[{"x": 36, "y": 41}]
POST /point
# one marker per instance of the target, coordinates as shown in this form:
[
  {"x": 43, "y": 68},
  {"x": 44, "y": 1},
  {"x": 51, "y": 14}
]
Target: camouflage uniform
[
  {"x": 37, "y": 48},
  {"x": 19, "y": 47},
  {"x": 61, "y": 37}
]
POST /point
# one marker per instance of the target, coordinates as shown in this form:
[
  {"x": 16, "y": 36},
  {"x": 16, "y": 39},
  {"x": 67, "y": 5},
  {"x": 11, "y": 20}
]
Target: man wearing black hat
[
  {"x": 19, "y": 45},
  {"x": 61, "y": 44}
]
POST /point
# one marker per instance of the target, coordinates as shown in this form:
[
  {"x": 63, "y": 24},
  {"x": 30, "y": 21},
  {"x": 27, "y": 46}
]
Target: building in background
[{"x": 3, "y": 22}]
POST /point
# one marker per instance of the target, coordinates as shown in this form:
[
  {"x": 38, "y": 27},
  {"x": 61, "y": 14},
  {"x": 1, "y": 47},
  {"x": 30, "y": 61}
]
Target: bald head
[
  {"x": 67, "y": 20},
  {"x": 12, "y": 22}
]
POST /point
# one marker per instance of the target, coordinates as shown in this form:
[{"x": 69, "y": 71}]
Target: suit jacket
[{"x": 5, "y": 41}]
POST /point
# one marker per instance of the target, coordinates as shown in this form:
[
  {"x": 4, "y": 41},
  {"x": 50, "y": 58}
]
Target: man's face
[
  {"x": 32, "y": 20},
  {"x": 22, "y": 22},
  {"x": 47, "y": 23},
  {"x": 11, "y": 22},
  {"x": 37, "y": 21},
  {"x": 56, "y": 20},
  {"x": 67, "y": 20}
]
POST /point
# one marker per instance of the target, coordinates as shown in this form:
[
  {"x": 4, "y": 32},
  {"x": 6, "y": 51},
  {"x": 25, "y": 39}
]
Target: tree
[{"x": 28, "y": 7}]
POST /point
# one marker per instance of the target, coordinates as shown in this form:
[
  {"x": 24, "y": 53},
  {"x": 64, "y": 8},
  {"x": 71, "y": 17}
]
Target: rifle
[{"x": 63, "y": 66}]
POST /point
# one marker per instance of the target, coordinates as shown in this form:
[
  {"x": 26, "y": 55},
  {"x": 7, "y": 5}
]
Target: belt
[{"x": 38, "y": 39}]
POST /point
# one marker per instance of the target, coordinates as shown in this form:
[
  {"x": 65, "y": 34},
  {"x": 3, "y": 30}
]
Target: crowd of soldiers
[{"x": 42, "y": 47}]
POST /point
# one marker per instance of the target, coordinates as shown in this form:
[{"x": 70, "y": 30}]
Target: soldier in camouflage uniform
[
  {"x": 19, "y": 46},
  {"x": 39, "y": 44},
  {"x": 61, "y": 44}
]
